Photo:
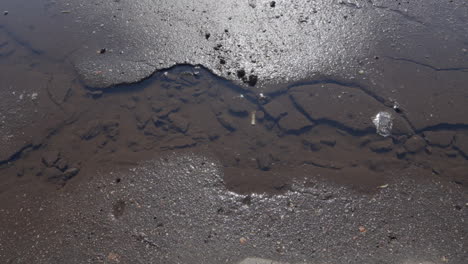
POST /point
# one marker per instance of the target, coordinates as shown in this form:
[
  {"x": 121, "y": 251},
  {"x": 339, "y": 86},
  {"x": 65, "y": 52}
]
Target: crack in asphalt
[
  {"x": 462, "y": 69},
  {"x": 20, "y": 42},
  {"x": 402, "y": 14}
]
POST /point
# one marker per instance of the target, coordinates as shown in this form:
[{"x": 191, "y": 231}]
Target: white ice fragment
[
  {"x": 34, "y": 96},
  {"x": 252, "y": 118},
  {"x": 383, "y": 122}
]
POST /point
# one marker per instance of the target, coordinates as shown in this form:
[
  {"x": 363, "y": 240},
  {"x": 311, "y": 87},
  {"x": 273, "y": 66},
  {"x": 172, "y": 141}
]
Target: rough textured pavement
[{"x": 175, "y": 209}]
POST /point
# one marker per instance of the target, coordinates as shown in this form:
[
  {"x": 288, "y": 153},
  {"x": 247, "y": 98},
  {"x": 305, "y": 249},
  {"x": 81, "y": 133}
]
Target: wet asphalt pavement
[
  {"x": 233, "y": 131},
  {"x": 143, "y": 216}
]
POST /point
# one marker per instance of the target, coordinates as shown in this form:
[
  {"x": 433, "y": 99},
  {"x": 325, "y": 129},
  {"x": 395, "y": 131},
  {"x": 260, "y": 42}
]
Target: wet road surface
[{"x": 233, "y": 132}]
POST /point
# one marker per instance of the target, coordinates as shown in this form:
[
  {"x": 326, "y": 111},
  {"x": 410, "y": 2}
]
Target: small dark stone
[
  {"x": 252, "y": 81},
  {"x": 222, "y": 61},
  {"x": 272, "y": 4},
  {"x": 247, "y": 200},
  {"x": 5, "y": 13},
  {"x": 102, "y": 51},
  {"x": 241, "y": 73},
  {"x": 207, "y": 36},
  {"x": 397, "y": 109}
]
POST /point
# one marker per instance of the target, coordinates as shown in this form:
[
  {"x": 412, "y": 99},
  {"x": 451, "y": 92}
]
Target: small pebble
[
  {"x": 5, "y": 13},
  {"x": 243, "y": 240}
]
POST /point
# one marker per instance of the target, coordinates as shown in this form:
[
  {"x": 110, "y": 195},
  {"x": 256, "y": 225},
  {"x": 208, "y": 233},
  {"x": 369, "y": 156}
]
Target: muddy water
[{"x": 192, "y": 168}]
